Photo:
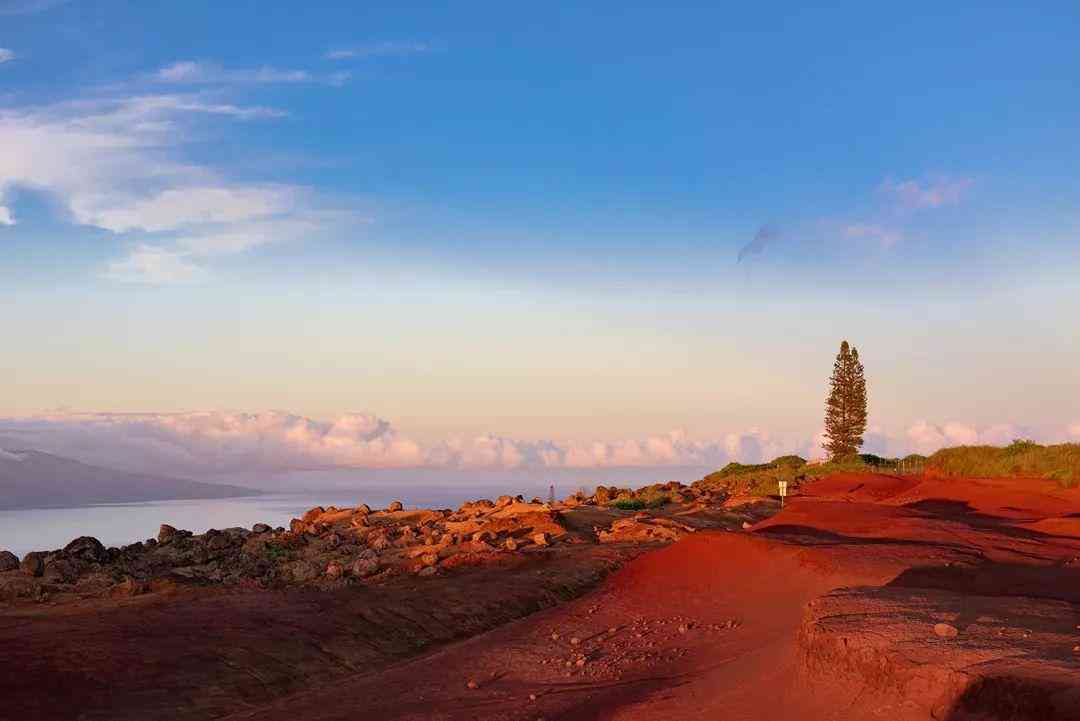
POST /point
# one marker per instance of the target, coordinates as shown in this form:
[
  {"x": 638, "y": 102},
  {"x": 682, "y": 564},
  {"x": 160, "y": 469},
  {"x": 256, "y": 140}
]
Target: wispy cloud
[
  {"x": 374, "y": 50},
  {"x": 885, "y": 225},
  {"x": 191, "y": 72},
  {"x": 6, "y": 56},
  {"x": 920, "y": 194},
  {"x": 155, "y": 266},
  {"x": 883, "y": 236},
  {"x": 765, "y": 235},
  {"x": 117, "y": 164},
  {"x": 25, "y": 7}
]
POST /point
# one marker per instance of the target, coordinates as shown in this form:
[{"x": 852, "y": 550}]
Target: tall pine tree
[{"x": 845, "y": 410}]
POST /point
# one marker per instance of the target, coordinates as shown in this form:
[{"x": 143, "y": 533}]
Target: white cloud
[
  {"x": 6, "y": 56},
  {"x": 155, "y": 266},
  {"x": 190, "y": 72},
  {"x": 116, "y": 164},
  {"x": 224, "y": 442},
  {"x": 218, "y": 442},
  {"x": 935, "y": 192},
  {"x": 378, "y": 50},
  {"x": 174, "y": 208},
  {"x": 925, "y": 438}
]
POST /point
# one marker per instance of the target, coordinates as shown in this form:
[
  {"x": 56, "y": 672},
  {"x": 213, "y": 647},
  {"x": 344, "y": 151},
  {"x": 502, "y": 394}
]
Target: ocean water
[{"x": 22, "y": 531}]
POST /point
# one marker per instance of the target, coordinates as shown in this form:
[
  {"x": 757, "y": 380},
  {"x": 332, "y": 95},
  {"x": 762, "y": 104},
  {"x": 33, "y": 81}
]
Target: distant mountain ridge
[{"x": 33, "y": 479}]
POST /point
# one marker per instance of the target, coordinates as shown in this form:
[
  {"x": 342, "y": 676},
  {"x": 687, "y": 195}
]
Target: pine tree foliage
[{"x": 845, "y": 409}]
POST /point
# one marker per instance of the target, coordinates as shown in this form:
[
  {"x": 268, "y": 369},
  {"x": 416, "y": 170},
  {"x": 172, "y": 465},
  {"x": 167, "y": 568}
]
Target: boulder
[
  {"x": 217, "y": 541},
  {"x": 378, "y": 541},
  {"x": 363, "y": 509},
  {"x": 166, "y": 533},
  {"x": 427, "y": 571},
  {"x": 260, "y": 528},
  {"x": 511, "y": 544},
  {"x": 87, "y": 548},
  {"x": 429, "y": 559},
  {"x": 297, "y": 526},
  {"x": 61, "y": 570},
  {"x": 334, "y": 570},
  {"x": 540, "y": 539},
  {"x": 8, "y": 561},
  {"x": 395, "y": 506},
  {"x": 302, "y": 571},
  {"x": 503, "y": 501},
  {"x": 313, "y": 513},
  {"x": 33, "y": 563},
  {"x": 364, "y": 566}
]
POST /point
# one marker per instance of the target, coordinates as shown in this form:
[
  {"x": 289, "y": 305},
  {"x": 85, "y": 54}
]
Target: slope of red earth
[{"x": 868, "y": 597}]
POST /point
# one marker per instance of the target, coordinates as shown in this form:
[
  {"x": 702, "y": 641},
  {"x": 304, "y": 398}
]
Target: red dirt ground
[{"x": 825, "y": 611}]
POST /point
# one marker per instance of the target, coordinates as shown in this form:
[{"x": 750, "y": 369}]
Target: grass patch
[
  {"x": 1022, "y": 458},
  {"x": 628, "y": 504},
  {"x": 763, "y": 479}
]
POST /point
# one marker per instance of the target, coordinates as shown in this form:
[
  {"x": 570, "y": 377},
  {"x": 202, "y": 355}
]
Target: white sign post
[{"x": 783, "y": 492}]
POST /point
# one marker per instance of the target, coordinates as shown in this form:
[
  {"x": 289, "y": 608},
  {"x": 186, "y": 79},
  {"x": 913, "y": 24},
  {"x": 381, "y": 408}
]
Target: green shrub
[{"x": 629, "y": 504}]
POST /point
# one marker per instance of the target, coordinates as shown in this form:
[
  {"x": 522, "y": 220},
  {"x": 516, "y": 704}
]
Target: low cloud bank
[{"x": 210, "y": 443}]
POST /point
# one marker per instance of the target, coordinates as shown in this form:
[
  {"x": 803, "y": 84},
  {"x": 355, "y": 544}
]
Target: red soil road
[{"x": 971, "y": 542}]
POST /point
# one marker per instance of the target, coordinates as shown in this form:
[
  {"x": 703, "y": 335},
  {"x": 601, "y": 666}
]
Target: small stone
[
  {"x": 540, "y": 539},
  {"x": 427, "y": 571},
  {"x": 511, "y": 544},
  {"x": 554, "y": 636},
  {"x": 472, "y": 684},
  {"x": 612, "y": 630},
  {"x": 575, "y": 641},
  {"x": 334, "y": 570},
  {"x": 944, "y": 630},
  {"x": 532, "y": 697},
  {"x": 581, "y": 662}
]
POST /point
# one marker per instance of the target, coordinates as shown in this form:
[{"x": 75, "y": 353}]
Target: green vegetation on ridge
[{"x": 1021, "y": 459}]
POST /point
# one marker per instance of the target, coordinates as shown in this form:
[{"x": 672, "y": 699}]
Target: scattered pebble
[
  {"x": 472, "y": 684},
  {"x": 575, "y": 641},
  {"x": 944, "y": 630}
]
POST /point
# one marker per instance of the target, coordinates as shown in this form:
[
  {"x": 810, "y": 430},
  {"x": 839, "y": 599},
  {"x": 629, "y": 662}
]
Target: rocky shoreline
[{"x": 333, "y": 547}]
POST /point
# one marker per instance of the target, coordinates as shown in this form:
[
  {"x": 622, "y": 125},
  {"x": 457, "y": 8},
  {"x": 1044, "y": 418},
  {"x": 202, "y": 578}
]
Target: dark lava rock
[
  {"x": 33, "y": 563},
  {"x": 61, "y": 570},
  {"x": 8, "y": 561},
  {"x": 87, "y": 548}
]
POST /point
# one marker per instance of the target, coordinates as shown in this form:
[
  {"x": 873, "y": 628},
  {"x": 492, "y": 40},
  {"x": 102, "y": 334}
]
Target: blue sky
[{"x": 500, "y": 228}]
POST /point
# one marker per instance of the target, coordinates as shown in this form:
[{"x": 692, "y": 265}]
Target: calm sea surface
[{"x": 118, "y": 524}]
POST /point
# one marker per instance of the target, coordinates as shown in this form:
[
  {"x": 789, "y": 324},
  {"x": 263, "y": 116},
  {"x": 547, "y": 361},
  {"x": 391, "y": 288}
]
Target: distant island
[{"x": 33, "y": 479}]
